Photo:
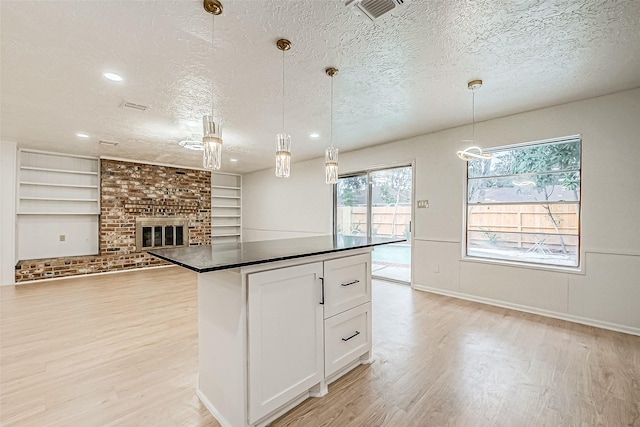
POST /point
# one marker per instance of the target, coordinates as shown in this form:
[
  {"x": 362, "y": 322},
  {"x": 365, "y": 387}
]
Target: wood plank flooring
[{"x": 121, "y": 350}]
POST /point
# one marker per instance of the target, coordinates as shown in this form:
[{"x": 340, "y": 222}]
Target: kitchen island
[{"x": 278, "y": 320}]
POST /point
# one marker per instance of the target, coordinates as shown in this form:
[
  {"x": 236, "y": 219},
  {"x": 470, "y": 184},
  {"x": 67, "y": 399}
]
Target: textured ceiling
[{"x": 401, "y": 76}]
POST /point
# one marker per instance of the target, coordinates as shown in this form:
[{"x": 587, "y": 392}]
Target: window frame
[{"x": 579, "y": 268}]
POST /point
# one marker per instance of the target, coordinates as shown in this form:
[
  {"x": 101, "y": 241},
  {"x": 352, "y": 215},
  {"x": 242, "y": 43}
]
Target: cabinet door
[
  {"x": 347, "y": 283},
  {"x": 285, "y": 322}
]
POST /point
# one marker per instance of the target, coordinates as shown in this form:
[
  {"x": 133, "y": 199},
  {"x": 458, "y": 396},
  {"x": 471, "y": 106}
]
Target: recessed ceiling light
[
  {"x": 314, "y": 135},
  {"x": 233, "y": 160},
  {"x": 113, "y": 77},
  {"x": 82, "y": 135}
]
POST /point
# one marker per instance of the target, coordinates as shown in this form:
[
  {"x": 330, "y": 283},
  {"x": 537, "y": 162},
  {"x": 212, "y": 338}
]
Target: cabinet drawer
[
  {"x": 347, "y": 337},
  {"x": 347, "y": 283}
]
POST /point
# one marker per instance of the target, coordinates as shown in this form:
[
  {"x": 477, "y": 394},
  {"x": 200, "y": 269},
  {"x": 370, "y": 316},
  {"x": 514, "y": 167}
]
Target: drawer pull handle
[
  {"x": 350, "y": 283},
  {"x": 352, "y": 336}
]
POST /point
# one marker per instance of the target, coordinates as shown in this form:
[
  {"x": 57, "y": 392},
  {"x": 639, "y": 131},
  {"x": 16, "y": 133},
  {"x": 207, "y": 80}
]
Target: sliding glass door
[{"x": 378, "y": 203}]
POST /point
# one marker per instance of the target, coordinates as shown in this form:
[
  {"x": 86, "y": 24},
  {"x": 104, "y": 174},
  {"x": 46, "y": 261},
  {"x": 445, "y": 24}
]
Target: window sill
[{"x": 528, "y": 266}]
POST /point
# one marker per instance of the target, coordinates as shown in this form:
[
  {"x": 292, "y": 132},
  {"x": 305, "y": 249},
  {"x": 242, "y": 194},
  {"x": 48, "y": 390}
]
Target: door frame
[{"x": 366, "y": 172}]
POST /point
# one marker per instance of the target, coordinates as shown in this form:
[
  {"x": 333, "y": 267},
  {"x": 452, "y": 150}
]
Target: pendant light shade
[
  {"x": 283, "y": 140},
  {"x": 211, "y": 126},
  {"x": 331, "y": 165},
  {"x": 331, "y": 153},
  {"x": 211, "y": 142},
  {"x": 283, "y": 155}
]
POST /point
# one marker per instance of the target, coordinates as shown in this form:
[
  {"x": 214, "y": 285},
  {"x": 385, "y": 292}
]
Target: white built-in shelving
[
  {"x": 226, "y": 208},
  {"x": 57, "y": 184}
]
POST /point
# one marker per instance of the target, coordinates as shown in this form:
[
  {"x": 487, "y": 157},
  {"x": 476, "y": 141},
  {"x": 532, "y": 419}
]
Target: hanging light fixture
[
  {"x": 473, "y": 152},
  {"x": 283, "y": 140},
  {"x": 331, "y": 153},
  {"x": 212, "y": 126}
]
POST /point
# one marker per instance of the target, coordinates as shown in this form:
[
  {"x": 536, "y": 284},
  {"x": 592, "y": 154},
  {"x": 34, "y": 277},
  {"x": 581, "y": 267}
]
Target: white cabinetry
[
  {"x": 285, "y": 336},
  {"x": 226, "y": 208},
  {"x": 347, "y": 313},
  {"x": 271, "y": 335}
]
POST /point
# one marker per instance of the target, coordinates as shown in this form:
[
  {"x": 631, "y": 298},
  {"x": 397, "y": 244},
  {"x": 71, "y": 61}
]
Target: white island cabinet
[{"x": 277, "y": 321}]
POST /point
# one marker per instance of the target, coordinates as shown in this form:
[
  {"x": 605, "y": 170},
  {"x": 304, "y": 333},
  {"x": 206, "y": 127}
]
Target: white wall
[
  {"x": 8, "y": 156},
  {"x": 39, "y": 236},
  {"x": 607, "y": 291},
  {"x": 280, "y": 208}
]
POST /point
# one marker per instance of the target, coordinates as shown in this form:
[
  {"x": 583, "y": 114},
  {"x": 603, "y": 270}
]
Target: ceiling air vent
[
  {"x": 373, "y": 9},
  {"x": 109, "y": 143},
  {"x": 127, "y": 104}
]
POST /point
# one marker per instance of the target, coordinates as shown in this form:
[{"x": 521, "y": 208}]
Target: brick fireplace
[{"x": 130, "y": 192}]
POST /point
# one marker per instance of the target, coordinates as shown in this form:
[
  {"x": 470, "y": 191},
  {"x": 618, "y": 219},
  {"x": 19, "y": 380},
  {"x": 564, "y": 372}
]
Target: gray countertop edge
[{"x": 268, "y": 260}]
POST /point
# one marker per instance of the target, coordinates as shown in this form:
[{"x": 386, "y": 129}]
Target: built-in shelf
[
  {"x": 58, "y": 199},
  {"x": 31, "y": 168},
  {"x": 49, "y": 184},
  {"x": 58, "y": 184},
  {"x": 225, "y": 187},
  {"x": 226, "y": 208}
]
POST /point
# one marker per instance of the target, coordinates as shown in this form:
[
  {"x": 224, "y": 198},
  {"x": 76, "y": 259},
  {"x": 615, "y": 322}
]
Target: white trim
[
  {"x": 559, "y": 140},
  {"x": 8, "y": 195},
  {"x": 144, "y": 162},
  {"x": 99, "y": 273},
  {"x": 529, "y": 266},
  {"x": 527, "y": 309},
  {"x": 437, "y": 240},
  {"x": 611, "y": 252},
  {"x": 51, "y": 153},
  {"x": 212, "y": 409},
  {"x": 288, "y": 231}
]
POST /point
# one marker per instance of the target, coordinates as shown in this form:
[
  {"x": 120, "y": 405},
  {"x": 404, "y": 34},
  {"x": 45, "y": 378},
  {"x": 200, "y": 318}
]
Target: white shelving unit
[
  {"x": 58, "y": 204},
  {"x": 226, "y": 208},
  {"x": 58, "y": 184}
]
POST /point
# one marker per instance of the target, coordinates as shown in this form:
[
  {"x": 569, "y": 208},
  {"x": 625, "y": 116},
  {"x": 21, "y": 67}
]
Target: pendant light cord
[
  {"x": 473, "y": 115},
  {"x": 331, "y": 116},
  {"x": 212, "y": 61},
  {"x": 283, "y": 91}
]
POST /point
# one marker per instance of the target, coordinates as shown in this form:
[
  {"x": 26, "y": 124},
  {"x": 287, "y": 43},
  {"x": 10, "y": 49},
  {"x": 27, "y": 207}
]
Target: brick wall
[{"x": 128, "y": 191}]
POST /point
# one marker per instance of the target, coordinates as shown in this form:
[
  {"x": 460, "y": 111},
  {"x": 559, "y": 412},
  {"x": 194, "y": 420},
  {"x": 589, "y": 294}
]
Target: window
[{"x": 523, "y": 204}]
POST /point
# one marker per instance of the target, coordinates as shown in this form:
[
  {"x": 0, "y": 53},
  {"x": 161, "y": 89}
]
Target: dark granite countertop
[{"x": 233, "y": 255}]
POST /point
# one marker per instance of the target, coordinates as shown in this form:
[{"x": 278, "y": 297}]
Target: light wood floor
[{"x": 121, "y": 350}]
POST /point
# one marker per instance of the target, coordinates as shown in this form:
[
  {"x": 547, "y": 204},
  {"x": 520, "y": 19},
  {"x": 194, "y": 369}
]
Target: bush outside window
[{"x": 523, "y": 204}]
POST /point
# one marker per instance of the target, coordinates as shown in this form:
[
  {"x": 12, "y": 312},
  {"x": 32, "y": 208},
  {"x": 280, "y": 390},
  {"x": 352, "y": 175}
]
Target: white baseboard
[
  {"x": 216, "y": 414},
  {"x": 547, "y": 313}
]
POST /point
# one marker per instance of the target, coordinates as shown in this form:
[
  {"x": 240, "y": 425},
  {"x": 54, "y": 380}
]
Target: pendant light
[
  {"x": 212, "y": 126},
  {"x": 473, "y": 152},
  {"x": 331, "y": 153},
  {"x": 283, "y": 140}
]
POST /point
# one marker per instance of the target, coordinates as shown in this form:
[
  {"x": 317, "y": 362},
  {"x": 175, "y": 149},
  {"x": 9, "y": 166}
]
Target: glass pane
[
  {"x": 539, "y": 158},
  {"x": 537, "y": 248},
  {"x": 546, "y": 234},
  {"x": 147, "y": 241},
  {"x": 554, "y": 187},
  {"x": 157, "y": 235},
  {"x": 391, "y": 202},
  {"x": 351, "y": 206},
  {"x": 168, "y": 235},
  {"x": 391, "y": 217},
  {"x": 179, "y": 235}
]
